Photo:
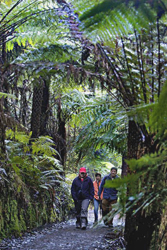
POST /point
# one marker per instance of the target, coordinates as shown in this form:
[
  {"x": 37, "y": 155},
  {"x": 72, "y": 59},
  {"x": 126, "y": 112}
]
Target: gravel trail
[{"x": 64, "y": 236}]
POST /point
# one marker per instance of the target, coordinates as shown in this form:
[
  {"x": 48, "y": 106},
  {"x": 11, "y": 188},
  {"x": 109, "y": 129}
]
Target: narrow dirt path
[{"x": 64, "y": 236}]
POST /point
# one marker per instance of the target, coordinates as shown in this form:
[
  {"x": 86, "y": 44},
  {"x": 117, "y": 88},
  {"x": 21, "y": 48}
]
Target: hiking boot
[
  {"x": 83, "y": 223},
  {"x": 78, "y": 224}
]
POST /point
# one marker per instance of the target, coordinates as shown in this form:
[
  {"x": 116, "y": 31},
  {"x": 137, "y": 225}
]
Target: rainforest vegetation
[{"x": 83, "y": 83}]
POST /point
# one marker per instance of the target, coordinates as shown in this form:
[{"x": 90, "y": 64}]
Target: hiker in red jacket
[
  {"x": 82, "y": 192},
  {"x": 97, "y": 199}
]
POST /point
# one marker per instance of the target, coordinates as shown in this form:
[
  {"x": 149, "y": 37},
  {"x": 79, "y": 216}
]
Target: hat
[{"x": 82, "y": 170}]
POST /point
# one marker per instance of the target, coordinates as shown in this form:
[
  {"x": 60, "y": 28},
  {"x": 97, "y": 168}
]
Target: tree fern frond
[
  {"x": 105, "y": 5},
  {"x": 117, "y": 18},
  {"x": 53, "y": 53},
  {"x": 101, "y": 126},
  {"x": 159, "y": 115}
]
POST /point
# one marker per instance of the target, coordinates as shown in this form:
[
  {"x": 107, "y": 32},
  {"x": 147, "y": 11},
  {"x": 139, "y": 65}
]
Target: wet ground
[{"x": 64, "y": 236}]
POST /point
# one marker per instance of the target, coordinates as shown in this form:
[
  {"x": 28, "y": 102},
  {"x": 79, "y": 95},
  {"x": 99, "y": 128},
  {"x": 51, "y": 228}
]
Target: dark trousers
[
  {"x": 81, "y": 208},
  {"x": 106, "y": 208}
]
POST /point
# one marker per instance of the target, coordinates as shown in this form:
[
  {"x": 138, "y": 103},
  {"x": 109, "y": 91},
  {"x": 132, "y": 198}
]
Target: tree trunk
[
  {"x": 139, "y": 230},
  {"x": 36, "y": 108},
  {"x": 23, "y": 104},
  {"x": 44, "y": 109},
  {"x": 62, "y": 135},
  {"x": 140, "y": 227},
  {"x": 2, "y": 102},
  {"x": 124, "y": 166},
  {"x": 2, "y": 131},
  {"x": 133, "y": 146}
]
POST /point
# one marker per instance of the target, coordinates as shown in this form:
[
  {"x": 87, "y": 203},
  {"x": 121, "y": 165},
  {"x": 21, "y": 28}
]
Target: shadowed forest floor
[{"x": 64, "y": 236}]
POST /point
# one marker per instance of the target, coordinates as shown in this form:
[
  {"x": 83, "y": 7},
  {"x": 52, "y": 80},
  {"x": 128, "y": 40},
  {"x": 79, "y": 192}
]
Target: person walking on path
[
  {"x": 82, "y": 192},
  {"x": 97, "y": 199},
  {"x": 109, "y": 195}
]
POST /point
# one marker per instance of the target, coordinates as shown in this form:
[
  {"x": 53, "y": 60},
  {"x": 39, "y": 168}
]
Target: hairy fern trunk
[
  {"x": 44, "y": 109},
  {"x": 61, "y": 143},
  {"x": 139, "y": 228},
  {"x": 36, "y": 108}
]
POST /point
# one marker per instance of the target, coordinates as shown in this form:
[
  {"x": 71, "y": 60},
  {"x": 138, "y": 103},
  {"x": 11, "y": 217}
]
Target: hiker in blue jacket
[
  {"x": 82, "y": 191},
  {"x": 109, "y": 195}
]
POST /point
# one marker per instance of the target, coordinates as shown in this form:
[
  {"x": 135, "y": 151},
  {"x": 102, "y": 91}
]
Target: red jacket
[{"x": 96, "y": 190}]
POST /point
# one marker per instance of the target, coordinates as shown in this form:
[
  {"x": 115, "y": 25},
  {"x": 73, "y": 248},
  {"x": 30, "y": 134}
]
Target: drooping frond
[{"x": 117, "y": 18}]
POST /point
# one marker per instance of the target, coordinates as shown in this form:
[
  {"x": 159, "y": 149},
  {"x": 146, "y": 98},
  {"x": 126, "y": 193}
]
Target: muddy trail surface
[{"x": 64, "y": 236}]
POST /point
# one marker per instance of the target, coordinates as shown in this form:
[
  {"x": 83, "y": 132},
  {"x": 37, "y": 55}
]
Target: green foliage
[
  {"x": 147, "y": 179},
  {"x": 91, "y": 117},
  {"x": 32, "y": 173},
  {"x": 101, "y": 125},
  {"x": 73, "y": 105},
  {"x": 159, "y": 115},
  {"x": 146, "y": 184},
  {"x": 38, "y": 37},
  {"x": 130, "y": 69},
  {"x": 7, "y": 95},
  {"x": 110, "y": 19},
  {"x": 35, "y": 163},
  {"x": 44, "y": 145},
  {"x": 105, "y": 5}
]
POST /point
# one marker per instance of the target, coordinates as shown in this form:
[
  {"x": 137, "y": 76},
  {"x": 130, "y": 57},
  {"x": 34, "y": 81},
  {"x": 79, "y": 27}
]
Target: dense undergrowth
[
  {"x": 25, "y": 209},
  {"x": 32, "y": 186}
]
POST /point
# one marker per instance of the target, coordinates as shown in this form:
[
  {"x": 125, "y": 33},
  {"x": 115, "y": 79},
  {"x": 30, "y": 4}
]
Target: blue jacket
[
  {"x": 109, "y": 193},
  {"x": 81, "y": 190}
]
